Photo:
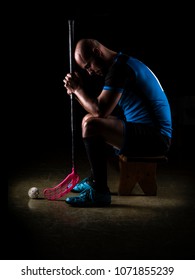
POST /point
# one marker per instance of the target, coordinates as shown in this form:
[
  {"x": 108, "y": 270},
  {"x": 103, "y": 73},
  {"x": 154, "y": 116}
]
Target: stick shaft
[
  {"x": 71, "y": 43},
  {"x": 71, "y": 62}
]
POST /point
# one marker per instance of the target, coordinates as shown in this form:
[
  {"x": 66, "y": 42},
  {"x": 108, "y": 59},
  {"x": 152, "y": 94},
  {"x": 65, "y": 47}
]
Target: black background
[{"x": 38, "y": 107}]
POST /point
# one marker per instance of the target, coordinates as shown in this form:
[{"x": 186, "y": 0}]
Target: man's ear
[{"x": 97, "y": 52}]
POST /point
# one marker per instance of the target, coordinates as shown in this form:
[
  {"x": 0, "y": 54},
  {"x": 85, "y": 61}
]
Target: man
[{"x": 144, "y": 129}]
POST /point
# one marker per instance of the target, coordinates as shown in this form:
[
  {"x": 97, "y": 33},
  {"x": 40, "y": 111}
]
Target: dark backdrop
[{"x": 38, "y": 106}]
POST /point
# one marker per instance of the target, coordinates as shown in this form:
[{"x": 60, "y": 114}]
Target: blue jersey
[{"x": 143, "y": 99}]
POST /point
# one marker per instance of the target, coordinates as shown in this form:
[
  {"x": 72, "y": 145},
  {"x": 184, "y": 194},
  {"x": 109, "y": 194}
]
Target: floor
[{"x": 133, "y": 227}]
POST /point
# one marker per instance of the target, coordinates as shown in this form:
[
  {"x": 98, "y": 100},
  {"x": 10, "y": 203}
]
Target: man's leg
[
  {"x": 97, "y": 156},
  {"x": 96, "y": 133}
]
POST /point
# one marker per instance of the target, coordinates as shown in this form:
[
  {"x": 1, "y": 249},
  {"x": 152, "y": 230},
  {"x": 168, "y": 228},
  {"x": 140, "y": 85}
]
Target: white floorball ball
[{"x": 33, "y": 192}]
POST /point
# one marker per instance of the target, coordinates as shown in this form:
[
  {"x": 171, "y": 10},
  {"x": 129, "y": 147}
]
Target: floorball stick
[{"x": 73, "y": 178}]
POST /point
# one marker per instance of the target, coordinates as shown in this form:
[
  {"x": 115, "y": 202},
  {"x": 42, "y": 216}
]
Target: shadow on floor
[{"x": 133, "y": 227}]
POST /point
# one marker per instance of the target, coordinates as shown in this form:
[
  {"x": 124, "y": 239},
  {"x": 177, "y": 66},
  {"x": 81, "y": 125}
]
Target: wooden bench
[{"x": 138, "y": 170}]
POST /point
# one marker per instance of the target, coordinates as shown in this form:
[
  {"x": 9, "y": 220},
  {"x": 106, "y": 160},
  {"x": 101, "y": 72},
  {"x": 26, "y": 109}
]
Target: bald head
[
  {"x": 93, "y": 56},
  {"x": 85, "y": 49}
]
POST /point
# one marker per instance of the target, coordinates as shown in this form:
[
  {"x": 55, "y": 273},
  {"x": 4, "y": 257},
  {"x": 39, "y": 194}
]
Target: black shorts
[{"x": 143, "y": 140}]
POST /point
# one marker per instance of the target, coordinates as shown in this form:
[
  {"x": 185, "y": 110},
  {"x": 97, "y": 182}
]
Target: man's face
[{"x": 94, "y": 65}]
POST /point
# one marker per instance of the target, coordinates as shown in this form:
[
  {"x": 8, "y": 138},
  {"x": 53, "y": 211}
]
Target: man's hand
[{"x": 72, "y": 82}]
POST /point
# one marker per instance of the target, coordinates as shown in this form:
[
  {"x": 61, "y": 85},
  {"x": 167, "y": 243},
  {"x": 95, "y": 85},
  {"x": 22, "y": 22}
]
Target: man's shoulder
[{"x": 122, "y": 58}]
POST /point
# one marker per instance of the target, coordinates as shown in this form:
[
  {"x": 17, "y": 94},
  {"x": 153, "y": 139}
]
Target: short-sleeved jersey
[{"x": 143, "y": 99}]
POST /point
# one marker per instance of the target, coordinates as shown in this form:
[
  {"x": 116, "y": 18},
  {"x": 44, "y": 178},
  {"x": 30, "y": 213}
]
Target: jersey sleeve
[{"x": 119, "y": 77}]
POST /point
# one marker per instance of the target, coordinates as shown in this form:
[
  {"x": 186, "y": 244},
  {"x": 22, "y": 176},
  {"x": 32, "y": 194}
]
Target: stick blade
[{"x": 63, "y": 187}]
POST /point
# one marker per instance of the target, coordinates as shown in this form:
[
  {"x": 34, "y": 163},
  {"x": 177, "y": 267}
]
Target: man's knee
[{"x": 89, "y": 126}]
